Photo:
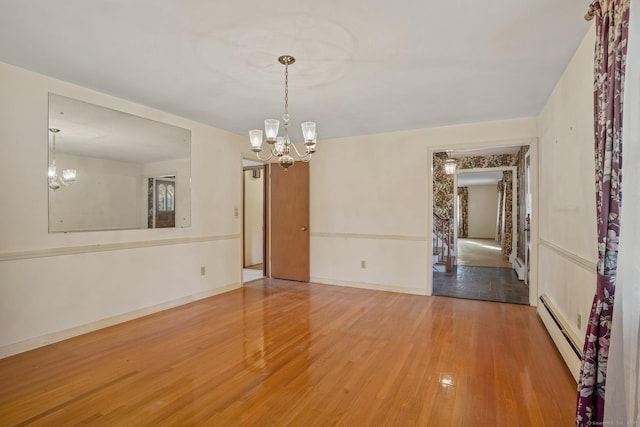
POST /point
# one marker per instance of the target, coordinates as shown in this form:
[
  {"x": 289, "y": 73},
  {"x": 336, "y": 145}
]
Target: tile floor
[{"x": 481, "y": 283}]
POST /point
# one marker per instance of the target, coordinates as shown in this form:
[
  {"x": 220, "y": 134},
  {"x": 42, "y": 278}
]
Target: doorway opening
[
  {"x": 484, "y": 201},
  {"x": 253, "y": 221},
  {"x": 161, "y": 201}
]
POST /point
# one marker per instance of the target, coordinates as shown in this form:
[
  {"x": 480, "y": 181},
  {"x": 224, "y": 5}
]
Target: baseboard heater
[{"x": 565, "y": 341}]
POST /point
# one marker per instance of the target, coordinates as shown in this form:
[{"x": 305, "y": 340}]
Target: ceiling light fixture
[
  {"x": 281, "y": 146},
  {"x": 68, "y": 175},
  {"x": 449, "y": 165}
]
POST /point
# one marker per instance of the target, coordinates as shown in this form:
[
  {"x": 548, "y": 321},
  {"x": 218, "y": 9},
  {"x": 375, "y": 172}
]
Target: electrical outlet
[
  {"x": 203, "y": 270},
  {"x": 363, "y": 264},
  {"x": 236, "y": 212},
  {"x": 579, "y": 320}
]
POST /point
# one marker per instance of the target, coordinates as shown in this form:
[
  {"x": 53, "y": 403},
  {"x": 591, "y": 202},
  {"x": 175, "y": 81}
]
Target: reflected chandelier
[
  {"x": 68, "y": 175},
  {"x": 281, "y": 146}
]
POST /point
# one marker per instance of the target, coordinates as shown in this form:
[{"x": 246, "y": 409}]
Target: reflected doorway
[{"x": 254, "y": 228}]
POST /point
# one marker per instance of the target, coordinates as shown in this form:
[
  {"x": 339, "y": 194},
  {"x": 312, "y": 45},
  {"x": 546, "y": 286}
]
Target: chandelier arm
[
  {"x": 266, "y": 159},
  {"x": 296, "y": 150}
]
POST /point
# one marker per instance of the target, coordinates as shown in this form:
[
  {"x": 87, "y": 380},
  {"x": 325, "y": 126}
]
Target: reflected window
[{"x": 169, "y": 198}]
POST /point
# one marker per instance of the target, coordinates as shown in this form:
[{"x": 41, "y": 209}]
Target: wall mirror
[{"x": 110, "y": 170}]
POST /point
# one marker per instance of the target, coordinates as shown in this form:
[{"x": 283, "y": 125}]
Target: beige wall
[
  {"x": 482, "y": 205},
  {"x": 106, "y": 195},
  {"x": 97, "y": 278},
  {"x": 568, "y": 247},
  {"x": 369, "y": 202}
]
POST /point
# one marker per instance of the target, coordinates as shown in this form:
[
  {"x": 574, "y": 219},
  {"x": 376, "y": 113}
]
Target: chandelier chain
[{"x": 286, "y": 89}]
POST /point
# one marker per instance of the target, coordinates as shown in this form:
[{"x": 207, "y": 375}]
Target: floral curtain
[
  {"x": 499, "y": 228},
  {"x": 612, "y": 23},
  {"x": 463, "y": 223}
]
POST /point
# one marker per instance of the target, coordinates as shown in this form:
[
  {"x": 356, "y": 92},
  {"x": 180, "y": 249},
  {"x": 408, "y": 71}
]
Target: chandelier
[
  {"x": 68, "y": 175},
  {"x": 281, "y": 146},
  {"x": 449, "y": 164}
]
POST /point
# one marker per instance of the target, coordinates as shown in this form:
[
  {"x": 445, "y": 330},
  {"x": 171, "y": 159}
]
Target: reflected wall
[{"x": 120, "y": 160}]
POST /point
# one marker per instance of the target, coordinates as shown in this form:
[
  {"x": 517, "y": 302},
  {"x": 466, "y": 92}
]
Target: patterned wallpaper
[
  {"x": 463, "y": 221},
  {"x": 443, "y": 183},
  {"x": 522, "y": 214},
  {"x": 505, "y": 187}
]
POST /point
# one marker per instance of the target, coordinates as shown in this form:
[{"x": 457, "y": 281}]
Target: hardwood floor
[
  {"x": 288, "y": 353},
  {"x": 481, "y": 253}
]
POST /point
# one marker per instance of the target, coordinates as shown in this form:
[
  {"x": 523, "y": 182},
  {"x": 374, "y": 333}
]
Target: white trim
[
  {"x": 74, "y": 250},
  {"x": 520, "y": 268},
  {"x": 32, "y": 343},
  {"x": 370, "y": 236},
  {"x": 371, "y": 286},
  {"x": 577, "y": 260},
  {"x": 569, "y": 356}
]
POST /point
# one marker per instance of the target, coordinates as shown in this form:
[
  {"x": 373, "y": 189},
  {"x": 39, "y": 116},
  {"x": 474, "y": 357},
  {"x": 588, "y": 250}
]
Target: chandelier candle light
[
  {"x": 281, "y": 146},
  {"x": 68, "y": 175}
]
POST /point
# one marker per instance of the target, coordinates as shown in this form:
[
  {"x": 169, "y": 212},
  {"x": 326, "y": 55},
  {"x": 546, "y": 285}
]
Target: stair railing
[{"x": 442, "y": 240}]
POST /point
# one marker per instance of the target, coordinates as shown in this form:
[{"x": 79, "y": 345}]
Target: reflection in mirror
[{"x": 110, "y": 170}]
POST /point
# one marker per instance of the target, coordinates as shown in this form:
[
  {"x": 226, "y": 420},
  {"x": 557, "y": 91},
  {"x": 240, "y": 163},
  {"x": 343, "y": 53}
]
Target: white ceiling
[
  {"x": 92, "y": 131},
  {"x": 362, "y": 66},
  {"x": 467, "y": 179}
]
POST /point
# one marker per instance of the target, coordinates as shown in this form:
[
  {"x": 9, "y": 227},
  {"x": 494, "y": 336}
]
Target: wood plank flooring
[
  {"x": 481, "y": 253},
  {"x": 284, "y": 353}
]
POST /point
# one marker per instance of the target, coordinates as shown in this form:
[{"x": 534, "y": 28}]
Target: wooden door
[{"x": 289, "y": 217}]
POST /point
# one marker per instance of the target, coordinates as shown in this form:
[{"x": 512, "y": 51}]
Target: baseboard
[
  {"x": 371, "y": 286},
  {"x": 33, "y": 343},
  {"x": 562, "y": 339},
  {"x": 519, "y": 267}
]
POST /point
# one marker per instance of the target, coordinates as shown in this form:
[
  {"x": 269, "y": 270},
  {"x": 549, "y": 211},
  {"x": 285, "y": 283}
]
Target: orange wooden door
[{"x": 289, "y": 215}]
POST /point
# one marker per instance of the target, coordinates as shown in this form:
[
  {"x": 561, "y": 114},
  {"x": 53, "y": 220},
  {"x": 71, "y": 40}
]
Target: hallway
[
  {"x": 481, "y": 253},
  {"x": 482, "y": 273}
]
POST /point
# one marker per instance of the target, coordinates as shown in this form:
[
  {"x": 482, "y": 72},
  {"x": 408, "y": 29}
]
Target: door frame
[
  {"x": 265, "y": 225},
  {"x": 514, "y": 205},
  {"x": 533, "y": 150}
]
